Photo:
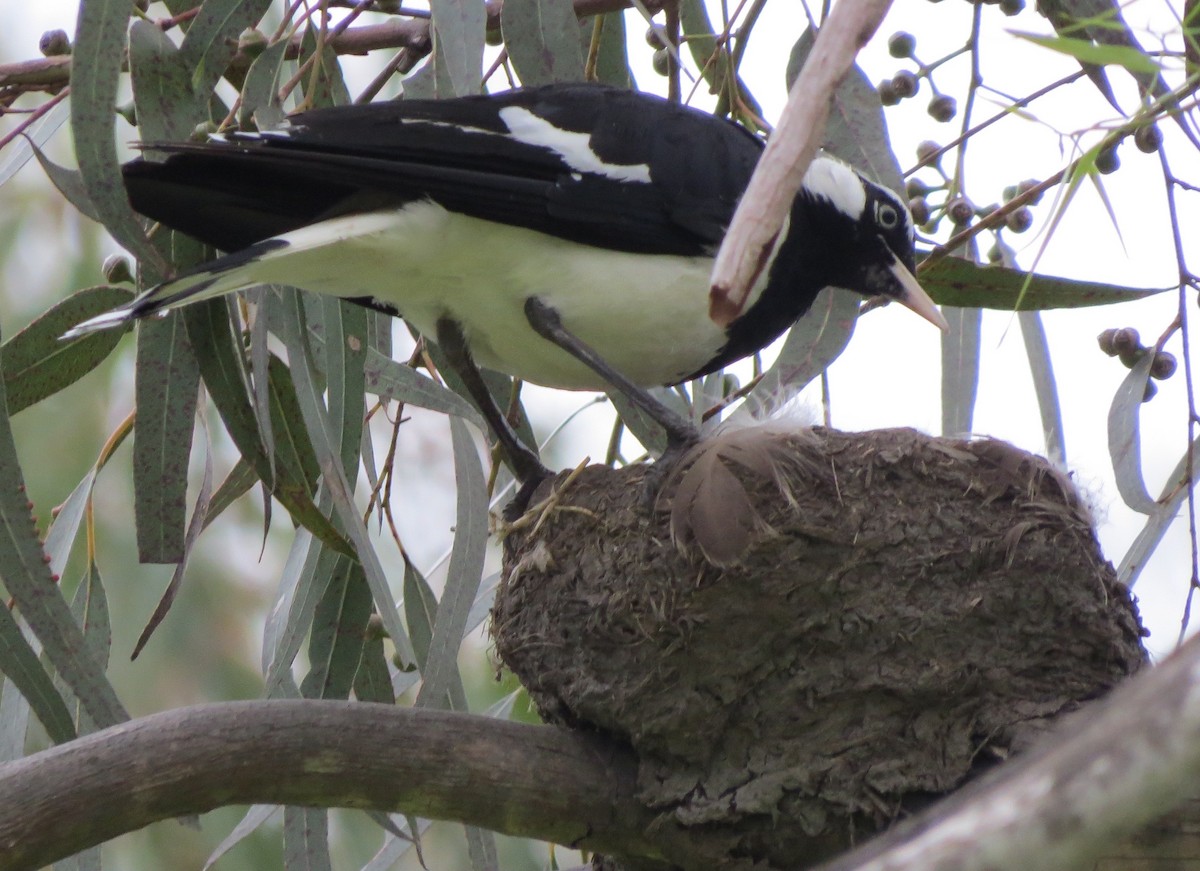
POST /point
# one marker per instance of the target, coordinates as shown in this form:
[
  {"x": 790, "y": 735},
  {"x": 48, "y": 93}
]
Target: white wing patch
[
  {"x": 837, "y": 183},
  {"x": 573, "y": 148}
]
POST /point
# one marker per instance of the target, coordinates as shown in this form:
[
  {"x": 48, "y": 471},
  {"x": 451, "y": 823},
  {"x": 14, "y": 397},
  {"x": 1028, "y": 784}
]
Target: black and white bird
[{"x": 564, "y": 234}]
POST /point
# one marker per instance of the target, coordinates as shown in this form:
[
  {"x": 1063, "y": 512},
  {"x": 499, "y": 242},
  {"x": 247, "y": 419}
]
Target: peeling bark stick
[
  {"x": 768, "y": 199},
  {"x": 509, "y": 777},
  {"x": 1112, "y": 769}
]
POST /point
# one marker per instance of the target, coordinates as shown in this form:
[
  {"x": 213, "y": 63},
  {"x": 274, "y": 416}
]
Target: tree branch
[
  {"x": 52, "y": 73},
  {"x": 1109, "y": 771},
  {"x": 517, "y": 779}
]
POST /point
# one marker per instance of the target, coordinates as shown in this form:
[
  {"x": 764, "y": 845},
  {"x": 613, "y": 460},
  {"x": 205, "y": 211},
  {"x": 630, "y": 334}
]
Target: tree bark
[{"x": 512, "y": 778}]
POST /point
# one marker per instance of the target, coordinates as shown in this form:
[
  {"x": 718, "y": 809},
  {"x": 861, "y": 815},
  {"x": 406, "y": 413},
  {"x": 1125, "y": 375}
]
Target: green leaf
[
  {"x": 236, "y": 484},
  {"x": 89, "y": 606},
  {"x": 69, "y": 183},
  {"x": 167, "y": 388},
  {"x": 35, "y": 592},
  {"x": 1086, "y": 51},
  {"x": 334, "y": 479},
  {"x": 95, "y": 71},
  {"x": 167, "y": 108},
  {"x": 1124, "y": 439},
  {"x": 338, "y": 633},
  {"x": 960, "y": 369},
  {"x": 220, "y": 366},
  {"x": 372, "y": 680},
  {"x": 345, "y": 355},
  {"x": 306, "y": 839},
  {"x": 195, "y": 527},
  {"x": 953, "y": 281},
  {"x": 1174, "y": 494},
  {"x": 542, "y": 38},
  {"x": 389, "y": 379},
  {"x": 458, "y": 38},
  {"x": 293, "y": 448},
  {"x": 260, "y": 93},
  {"x": 251, "y": 822},
  {"x": 37, "y": 363},
  {"x": 612, "y": 57},
  {"x": 465, "y": 571},
  {"x": 211, "y": 40},
  {"x": 66, "y": 523},
  {"x": 21, "y": 666},
  {"x": 711, "y": 55},
  {"x": 301, "y": 585},
  {"x": 1037, "y": 349},
  {"x": 37, "y": 134},
  {"x": 328, "y": 88},
  {"x": 815, "y": 341}
]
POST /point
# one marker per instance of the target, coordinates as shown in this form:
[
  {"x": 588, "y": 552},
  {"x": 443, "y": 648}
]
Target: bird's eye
[{"x": 887, "y": 216}]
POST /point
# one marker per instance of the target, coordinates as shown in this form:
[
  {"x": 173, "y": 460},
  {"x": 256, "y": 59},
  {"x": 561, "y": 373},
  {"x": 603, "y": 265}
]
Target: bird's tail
[{"x": 221, "y": 276}]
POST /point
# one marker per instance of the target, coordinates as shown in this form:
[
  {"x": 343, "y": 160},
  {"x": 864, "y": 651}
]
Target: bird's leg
[
  {"x": 524, "y": 463},
  {"x": 547, "y": 324}
]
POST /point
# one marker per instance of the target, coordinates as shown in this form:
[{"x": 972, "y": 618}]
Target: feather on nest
[{"x": 717, "y": 490}]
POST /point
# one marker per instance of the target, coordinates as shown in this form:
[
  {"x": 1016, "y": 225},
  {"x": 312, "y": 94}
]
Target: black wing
[{"x": 654, "y": 177}]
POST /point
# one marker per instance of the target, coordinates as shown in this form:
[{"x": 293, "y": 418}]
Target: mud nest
[{"x": 896, "y": 613}]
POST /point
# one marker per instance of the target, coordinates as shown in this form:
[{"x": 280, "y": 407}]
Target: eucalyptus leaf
[
  {"x": 38, "y": 364},
  {"x": 236, "y": 484},
  {"x": 221, "y": 367},
  {"x": 960, "y": 369},
  {"x": 167, "y": 108},
  {"x": 211, "y": 40},
  {"x": 255, "y": 816},
  {"x": 1037, "y": 349},
  {"x": 954, "y": 281},
  {"x": 195, "y": 527},
  {"x": 316, "y": 420},
  {"x": 69, "y": 183},
  {"x": 38, "y": 597},
  {"x": 458, "y": 38},
  {"x": 18, "y": 152},
  {"x": 1174, "y": 493},
  {"x": 465, "y": 570},
  {"x": 1124, "y": 438},
  {"x": 612, "y": 55},
  {"x": 338, "y": 633},
  {"x": 815, "y": 341},
  {"x": 14, "y": 720},
  {"x": 260, "y": 93},
  {"x": 66, "y": 523},
  {"x": 542, "y": 38},
  {"x": 389, "y": 379},
  {"x": 95, "y": 71},
  {"x": 167, "y": 388},
  {"x": 20, "y": 664},
  {"x": 1101, "y": 55},
  {"x": 306, "y": 839}
]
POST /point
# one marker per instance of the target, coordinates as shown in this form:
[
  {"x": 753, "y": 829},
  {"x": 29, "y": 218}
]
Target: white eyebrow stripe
[
  {"x": 838, "y": 184},
  {"x": 573, "y": 148}
]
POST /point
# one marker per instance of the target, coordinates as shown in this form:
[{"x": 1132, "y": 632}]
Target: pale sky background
[{"x": 889, "y": 376}]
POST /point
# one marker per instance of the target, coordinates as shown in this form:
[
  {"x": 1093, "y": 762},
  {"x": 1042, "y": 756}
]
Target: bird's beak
[{"x": 914, "y": 297}]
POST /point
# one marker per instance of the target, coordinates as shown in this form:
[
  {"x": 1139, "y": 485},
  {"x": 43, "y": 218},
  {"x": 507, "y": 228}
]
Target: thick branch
[
  {"x": 1111, "y": 770},
  {"x": 533, "y": 781}
]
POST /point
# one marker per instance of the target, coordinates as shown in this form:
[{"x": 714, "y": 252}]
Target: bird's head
[{"x": 871, "y": 251}]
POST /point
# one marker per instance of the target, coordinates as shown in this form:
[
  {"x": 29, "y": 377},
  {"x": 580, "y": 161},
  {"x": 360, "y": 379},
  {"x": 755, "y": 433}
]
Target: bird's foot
[{"x": 679, "y": 445}]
